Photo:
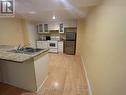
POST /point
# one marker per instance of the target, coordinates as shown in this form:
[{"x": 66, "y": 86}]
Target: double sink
[{"x": 26, "y": 50}]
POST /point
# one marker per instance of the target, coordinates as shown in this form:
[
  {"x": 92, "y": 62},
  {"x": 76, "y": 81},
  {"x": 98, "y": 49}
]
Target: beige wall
[
  {"x": 102, "y": 44},
  {"x": 25, "y": 32},
  {"x": 80, "y": 33},
  {"x": 11, "y": 31},
  {"x": 32, "y": 34},
  {"x": 16, "y": 31}
]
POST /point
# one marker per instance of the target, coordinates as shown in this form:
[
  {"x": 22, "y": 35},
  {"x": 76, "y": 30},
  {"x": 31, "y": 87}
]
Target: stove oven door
[{"x": 53, "y": 45}]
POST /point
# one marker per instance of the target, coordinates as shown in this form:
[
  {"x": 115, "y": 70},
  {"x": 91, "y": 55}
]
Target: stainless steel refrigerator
[{"x": 70, "y": 43}]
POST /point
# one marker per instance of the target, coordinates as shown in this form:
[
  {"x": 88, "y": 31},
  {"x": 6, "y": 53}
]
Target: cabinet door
[
  {"x": 40, "y": 28},
  {"x": 53, "y": 26},
  {"x": 46, "y": 30},
  {"x": 60, "y": 46},
  {"x": 41, "y": 69},
  {"x": 61, "y": 29},
  {"x": 39, "y": 44},
  {"x": 45, "y": 44}
]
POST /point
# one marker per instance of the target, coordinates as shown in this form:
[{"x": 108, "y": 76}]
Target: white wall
[
  {"x": 32, "y": 33},
  {"x": 11, "y": 31}
]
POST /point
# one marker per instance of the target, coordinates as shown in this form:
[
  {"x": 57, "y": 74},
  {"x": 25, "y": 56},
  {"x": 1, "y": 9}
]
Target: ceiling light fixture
[{"x": 54, "y": 17}]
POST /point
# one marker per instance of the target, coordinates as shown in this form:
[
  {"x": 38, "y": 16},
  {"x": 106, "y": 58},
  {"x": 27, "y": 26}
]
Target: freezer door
[{"x": 70, "y": 36}]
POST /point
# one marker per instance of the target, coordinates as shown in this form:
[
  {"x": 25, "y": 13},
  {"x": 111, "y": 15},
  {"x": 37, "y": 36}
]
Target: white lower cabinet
[
  {"x": 45, "y": 44},
  {"x": 60, "y": 46},
  {"x": 42, "y": 44},
  {"x": 20, "y": 75},
  {"x": 39, "y": 44},
  {"x": 53, "y": 50},
  {"x": 41, "y": 69},
  {"x": 29, "y": 75}
]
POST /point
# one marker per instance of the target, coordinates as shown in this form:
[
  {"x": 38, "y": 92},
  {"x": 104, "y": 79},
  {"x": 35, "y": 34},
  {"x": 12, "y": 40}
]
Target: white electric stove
[{"x": 53, "y": 44}]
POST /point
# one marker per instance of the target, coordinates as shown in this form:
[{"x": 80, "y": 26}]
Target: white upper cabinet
[
  {"x": 53, "y": 26},
  {"x": 61, "y": 28},
  {"x": 45, "y": 27},
  {"x": 42, "y": 28}
]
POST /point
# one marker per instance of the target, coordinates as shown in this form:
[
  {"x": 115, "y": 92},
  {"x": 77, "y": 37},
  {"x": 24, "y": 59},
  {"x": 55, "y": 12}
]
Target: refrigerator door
[
  {"x": 70, "y": 36},
  {"x": 70, "y": 47}
]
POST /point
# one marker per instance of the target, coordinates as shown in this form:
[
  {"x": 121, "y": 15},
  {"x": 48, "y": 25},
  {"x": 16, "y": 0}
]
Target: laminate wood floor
[
  {"x": 6, "y": 89},
  {"x": 66, "y": 77}
]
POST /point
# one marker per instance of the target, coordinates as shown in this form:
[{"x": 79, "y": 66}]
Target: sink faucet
[{"x": 18, "y": 48}]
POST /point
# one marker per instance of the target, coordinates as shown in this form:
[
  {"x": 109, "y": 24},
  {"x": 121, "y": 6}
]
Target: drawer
[
  {"x": 61, "y": 46},
  {"x": 53, "y": 50}
]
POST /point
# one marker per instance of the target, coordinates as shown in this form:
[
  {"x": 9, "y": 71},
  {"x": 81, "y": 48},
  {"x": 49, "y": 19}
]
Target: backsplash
[
  {"x": 56, "y": 33},
  {"x": 53, "y": 33}
]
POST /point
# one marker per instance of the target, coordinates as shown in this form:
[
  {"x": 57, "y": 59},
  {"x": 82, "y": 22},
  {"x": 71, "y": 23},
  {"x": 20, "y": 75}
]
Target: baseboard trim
[
  {"x": 42, "y": 84},
  {"x": 87, "y": 79}
]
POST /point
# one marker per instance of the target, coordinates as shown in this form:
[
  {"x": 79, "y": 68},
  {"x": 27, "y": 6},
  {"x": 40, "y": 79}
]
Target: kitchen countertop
[
  {"x": 16, "y": 57},
  {"x": 51, "y": 40}
]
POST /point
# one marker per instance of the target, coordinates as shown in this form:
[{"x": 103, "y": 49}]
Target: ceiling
[{"x": 44, "y": 10}]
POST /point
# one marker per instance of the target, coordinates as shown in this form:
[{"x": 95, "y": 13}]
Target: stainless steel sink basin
[{"x": 27, "y": 50}]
